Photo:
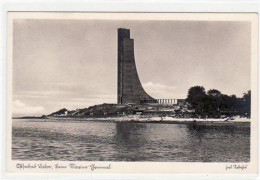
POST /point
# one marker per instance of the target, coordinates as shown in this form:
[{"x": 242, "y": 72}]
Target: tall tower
[{"x": 129, "y": 87}]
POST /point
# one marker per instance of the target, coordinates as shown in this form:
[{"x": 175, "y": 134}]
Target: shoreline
[{"x": 140, "y": 119}]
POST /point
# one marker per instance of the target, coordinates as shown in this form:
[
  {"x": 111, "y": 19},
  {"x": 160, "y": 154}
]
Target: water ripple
[{"x": 122, "y": 141}]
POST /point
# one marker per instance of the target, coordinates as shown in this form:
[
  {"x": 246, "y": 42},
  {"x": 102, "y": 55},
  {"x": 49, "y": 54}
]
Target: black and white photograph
[{"x": 132, "y": 87}]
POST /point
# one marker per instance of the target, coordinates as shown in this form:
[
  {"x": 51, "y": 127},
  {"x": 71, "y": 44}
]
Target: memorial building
[{"x": 129, "y": 87}]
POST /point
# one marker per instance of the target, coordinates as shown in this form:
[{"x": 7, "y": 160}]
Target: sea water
[{"x": 34, "y": 139}]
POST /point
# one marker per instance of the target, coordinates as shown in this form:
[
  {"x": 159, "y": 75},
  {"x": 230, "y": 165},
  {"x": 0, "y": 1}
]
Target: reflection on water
[{"x": 126, "y": 141}]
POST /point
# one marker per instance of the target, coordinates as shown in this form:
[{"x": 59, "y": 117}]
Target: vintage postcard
[{"x": 161, "y": 93}]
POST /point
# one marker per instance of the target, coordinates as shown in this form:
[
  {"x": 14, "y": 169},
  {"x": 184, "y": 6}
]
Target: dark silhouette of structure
[{"x": 129, "y": 87}]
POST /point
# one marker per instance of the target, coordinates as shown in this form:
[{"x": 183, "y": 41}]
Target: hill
[{"x": 120, "y": 109}]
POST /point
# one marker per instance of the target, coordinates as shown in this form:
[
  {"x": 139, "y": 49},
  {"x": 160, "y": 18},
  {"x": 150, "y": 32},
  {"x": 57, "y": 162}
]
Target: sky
[{"x": 73, "y": 63}]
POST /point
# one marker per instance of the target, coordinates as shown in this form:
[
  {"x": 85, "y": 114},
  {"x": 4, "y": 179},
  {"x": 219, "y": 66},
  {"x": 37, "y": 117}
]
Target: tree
[
  {"x": 247, "y": 103},
  {"x": 247, "y": 97},
  {"x": 214, "y": 103},
  {"x": 197, "y": 97},
  {"x": 214, "y": 93},
  {"x": 215, "y": 99}
]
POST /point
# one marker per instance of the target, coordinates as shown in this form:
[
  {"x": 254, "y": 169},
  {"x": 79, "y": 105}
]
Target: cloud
[
  {"x": 83, "y": 102},
  {"x": 21, "y": 109},
  {"x": 159, "y": 90},
  {"x": 41, "y": 94}
]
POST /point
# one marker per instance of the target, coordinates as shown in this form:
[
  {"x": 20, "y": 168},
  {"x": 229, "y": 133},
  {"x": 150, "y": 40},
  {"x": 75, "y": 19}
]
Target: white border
[{"x": 113, "y": 6}]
